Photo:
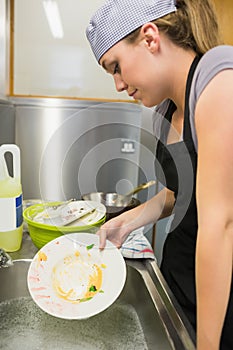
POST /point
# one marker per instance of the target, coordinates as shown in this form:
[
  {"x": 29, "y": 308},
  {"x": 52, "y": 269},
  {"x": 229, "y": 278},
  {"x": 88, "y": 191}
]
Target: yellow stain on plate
[
  {"x": 42, "y": 256},
  {"x": 77, "y": 279}
]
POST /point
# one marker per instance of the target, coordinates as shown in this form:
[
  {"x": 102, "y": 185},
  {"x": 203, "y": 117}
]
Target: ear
[{"x": 150, "y": 34}]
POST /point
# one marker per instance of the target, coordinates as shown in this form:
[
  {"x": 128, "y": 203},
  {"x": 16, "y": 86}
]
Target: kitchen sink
[{"x": 145, "y": 316}]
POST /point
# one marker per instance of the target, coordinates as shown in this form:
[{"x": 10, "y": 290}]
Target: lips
[{"x": 133, "y": 93}]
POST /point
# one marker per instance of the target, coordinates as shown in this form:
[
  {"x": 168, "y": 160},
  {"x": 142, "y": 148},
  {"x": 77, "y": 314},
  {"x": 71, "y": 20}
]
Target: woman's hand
[{"x": 115, "y": 230}]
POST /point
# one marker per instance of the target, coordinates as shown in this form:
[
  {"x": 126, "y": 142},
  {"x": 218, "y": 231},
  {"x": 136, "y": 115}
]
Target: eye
[{"x": 116, "y": 69}]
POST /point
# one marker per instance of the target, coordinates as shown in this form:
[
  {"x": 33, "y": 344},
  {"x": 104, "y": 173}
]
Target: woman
[{"x": 168, "y": 55}]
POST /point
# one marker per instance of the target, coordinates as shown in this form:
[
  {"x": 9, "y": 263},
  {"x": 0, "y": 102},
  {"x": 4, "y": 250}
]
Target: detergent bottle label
[{"x": 11, "y": 213}]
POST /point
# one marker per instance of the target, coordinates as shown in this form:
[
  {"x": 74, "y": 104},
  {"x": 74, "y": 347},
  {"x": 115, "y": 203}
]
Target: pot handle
[{"x": 141, "y": 187}]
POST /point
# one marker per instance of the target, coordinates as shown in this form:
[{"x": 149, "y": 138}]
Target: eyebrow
[{"x": 104, "y": 65}]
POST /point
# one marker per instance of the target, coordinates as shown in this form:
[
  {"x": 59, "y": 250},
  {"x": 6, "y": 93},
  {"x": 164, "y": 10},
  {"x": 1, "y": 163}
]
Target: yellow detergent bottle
[{"x": 11, "y": 201}]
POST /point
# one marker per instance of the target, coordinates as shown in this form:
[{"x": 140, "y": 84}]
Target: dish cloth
[{"x": 137, "y": 246}]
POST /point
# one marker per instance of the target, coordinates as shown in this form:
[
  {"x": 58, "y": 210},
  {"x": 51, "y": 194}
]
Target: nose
[{"x": 119, "y": 83}]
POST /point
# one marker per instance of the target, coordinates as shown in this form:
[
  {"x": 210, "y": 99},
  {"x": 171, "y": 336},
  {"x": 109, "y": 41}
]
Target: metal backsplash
[{"x": 69, "y": 148}]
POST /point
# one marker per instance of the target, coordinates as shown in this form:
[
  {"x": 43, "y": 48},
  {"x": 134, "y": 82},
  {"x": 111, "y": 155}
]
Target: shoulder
[
  {"x": 219, "y": 54},
  {"x": 211, "y": 63}
]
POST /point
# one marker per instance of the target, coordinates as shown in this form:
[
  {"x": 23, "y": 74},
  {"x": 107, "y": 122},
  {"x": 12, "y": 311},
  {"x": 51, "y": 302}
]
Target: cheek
[
  {"x": 141, "y": 75},
  {"x": 131, "y": 70},
  {"x": 134, "y": 78}
]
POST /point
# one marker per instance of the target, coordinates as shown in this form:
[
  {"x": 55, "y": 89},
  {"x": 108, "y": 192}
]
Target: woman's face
[{"x": 134, "y": 69}]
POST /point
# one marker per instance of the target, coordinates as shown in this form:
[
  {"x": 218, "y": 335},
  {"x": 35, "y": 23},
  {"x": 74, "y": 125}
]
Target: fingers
[
  {"x": 118, "y": 244},
  {"x": 102, "y": 241},
  {"x": 114, "y": 231}
]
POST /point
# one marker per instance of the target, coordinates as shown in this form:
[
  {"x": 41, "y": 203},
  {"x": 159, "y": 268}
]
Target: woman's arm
[
  {"x": 117, "y": 229},
  {"x": 214, "y": 253}
]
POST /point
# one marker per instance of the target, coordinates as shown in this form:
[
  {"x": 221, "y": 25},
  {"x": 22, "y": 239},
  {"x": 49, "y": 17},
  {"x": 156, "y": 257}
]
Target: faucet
[{"x": 5, "y": 259}]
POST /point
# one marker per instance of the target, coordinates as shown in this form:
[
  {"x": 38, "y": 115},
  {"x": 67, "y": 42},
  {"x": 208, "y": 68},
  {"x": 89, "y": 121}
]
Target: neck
[
  {"x": 178, "y": 88},
  {"x": 177, "y": 70}
]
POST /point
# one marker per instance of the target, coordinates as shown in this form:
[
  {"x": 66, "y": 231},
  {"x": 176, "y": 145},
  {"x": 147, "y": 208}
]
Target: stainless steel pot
[{"x": 117, "y": 203}]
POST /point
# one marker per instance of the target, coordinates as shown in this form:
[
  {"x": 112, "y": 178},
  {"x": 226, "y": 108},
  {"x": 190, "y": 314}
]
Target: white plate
[
  {"x": 98, "y": 214},
  {"x": 60, "y": 260},
  {"x": 72, "y": 214}
]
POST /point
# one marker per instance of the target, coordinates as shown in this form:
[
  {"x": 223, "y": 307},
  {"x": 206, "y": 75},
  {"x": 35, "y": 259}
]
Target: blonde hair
[{"x": 193, "y": 26}]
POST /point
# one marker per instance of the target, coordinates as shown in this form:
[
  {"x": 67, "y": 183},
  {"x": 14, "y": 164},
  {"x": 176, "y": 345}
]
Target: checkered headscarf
[{"x": 118, "y": 18}]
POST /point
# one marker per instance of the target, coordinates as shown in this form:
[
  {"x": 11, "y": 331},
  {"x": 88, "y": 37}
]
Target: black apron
[{"x": 176, "y": 167}]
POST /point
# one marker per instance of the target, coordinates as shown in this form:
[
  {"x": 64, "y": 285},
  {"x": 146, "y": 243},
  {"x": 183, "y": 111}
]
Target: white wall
[{"x": 59, "y": 67}]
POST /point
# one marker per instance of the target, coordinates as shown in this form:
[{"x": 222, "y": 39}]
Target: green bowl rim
[{"x": 55, "y": 228}]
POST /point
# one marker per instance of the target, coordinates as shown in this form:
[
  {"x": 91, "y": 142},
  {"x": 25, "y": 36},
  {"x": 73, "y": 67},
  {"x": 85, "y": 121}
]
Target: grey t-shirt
[{"x": 214, "y": 61}]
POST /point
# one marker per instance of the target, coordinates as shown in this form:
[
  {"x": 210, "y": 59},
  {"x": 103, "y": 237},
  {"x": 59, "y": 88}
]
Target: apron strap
[{"x": 187, "y": 126}]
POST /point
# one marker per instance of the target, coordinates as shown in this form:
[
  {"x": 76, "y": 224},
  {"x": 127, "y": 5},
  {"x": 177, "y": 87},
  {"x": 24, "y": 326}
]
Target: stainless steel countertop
[{"x": 27, "y": 250}]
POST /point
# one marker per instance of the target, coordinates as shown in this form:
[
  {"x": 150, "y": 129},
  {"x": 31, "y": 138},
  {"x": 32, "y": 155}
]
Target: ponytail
[{"x": 193, "y": 26}]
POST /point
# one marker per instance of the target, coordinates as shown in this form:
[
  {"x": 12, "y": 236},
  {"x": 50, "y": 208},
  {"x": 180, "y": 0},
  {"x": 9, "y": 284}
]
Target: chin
[{"x": 147, "y": 104}]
